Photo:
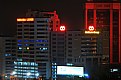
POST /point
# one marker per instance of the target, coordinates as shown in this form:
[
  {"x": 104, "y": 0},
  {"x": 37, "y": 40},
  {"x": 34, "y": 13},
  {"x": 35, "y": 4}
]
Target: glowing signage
[
  {"x": 25, "y": 19},
  {"x": 69, "y": 70},
  {"x": 91, "y": 30},
  {"x": 62, "y": 28}
]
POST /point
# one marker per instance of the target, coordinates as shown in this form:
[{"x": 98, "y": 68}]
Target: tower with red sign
[
  {"x": 105, "y": 16},
  {"x": 33, "y": 44}
]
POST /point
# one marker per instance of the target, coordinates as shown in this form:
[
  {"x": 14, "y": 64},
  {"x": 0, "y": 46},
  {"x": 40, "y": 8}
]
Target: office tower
[
  {"x": 7, "y": 55},
  {"x": 58, "y": 46},
  {"x": 104, "y": 15},
  {"x": 33, "y": 40},
  {"x": 75, "y": 48}
]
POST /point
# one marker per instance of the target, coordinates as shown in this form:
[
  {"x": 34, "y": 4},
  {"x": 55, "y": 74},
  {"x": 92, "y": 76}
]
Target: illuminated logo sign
[
  {"x": 25, "y": 19},
  {"x": 91, "y": 30},
  {"x": 62, "y": 28}
]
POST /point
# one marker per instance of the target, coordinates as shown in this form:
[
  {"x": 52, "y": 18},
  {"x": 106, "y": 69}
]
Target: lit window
[
  {"x": 7, "y": 54},
  {"x": 19, "y": 44},
  {"x": 20, "y": 48},
  {"x": 19, "y": 40},
  {"x": 27, "y": 48}
]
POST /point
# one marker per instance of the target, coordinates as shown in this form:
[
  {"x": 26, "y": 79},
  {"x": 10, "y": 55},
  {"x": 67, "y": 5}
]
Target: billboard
[{"x": 69, "y": 70}]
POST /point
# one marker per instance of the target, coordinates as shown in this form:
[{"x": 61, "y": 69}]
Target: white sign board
[{"x": 69, "y": 70}]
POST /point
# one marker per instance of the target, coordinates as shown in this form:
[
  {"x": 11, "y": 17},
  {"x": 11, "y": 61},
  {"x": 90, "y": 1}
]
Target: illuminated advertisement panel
[
  {"x": 25, "y": 19},
  {"x": 62, "y": 28},
  {"x": 91, "y": 30},
  {"x": 69, "y": 70}
]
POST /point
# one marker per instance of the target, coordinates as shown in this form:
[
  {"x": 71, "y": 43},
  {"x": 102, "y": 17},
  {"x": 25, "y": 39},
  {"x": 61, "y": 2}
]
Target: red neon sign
[
  {"x": 62, "y": 28},
  {"x": 91, "y": 28}
]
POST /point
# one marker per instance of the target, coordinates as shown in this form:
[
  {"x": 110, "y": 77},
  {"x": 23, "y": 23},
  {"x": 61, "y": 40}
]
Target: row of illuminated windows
[
  {"x": 24, "y": 76},
  {"x": 26, "y": 63},
  {"x": 27, "y": 48},
  {"x": 7, "y": 54},
  {"x": 42, "y": 21},
  {"x": 25, "y": 71},
  {"x": 33, "y": 45},
  {"x": 30, "y": 52},
  {"x": 28, "y": 68},
  {"x": 33, "y": 40}
]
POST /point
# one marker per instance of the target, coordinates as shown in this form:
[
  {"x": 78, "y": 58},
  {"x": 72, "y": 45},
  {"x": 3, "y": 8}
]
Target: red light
[
  {"x": 62, "y": 28},
  {"x": 91, "y": 28}
]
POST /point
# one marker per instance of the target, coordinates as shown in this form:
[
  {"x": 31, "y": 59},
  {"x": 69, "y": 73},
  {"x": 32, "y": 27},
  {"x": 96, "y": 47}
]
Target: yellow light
[
  {"x": 25, "y": 19},
  {"x": 92, "y": 32},
  {"x": 22, "y": 19},
  {"x": 30, "y": 19},
  {"x": 27, "y": 48}
]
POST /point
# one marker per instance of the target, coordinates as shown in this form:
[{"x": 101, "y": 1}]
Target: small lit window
[
  {"x": 27, "y": 48},
  {"x": 20, "y": 48}
]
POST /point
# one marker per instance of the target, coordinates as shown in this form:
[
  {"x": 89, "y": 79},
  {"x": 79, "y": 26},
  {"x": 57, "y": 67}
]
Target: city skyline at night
[
  {"x": 70, "y": 15},
  {"x": 50, "y": 34}
]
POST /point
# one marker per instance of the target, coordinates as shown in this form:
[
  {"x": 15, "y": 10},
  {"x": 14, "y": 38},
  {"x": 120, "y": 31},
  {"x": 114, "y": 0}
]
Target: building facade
[
  {"x": 33, "y": 44},
  {"x": 105, "y": 16},
  {"x": 7, "y": 56},
  {"x": 75, "y": 48}
]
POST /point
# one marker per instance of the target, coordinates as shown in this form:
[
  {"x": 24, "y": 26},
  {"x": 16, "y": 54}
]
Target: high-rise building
[
  {"x": 7, "y": 55},
  {"x": 33, "y": 44},
  {"x": 105, "y": 16},
  {"x": 75, "y": 48}
]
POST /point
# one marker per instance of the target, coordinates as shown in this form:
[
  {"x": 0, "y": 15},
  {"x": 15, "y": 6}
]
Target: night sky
[{"x": 70, "y": 12}]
